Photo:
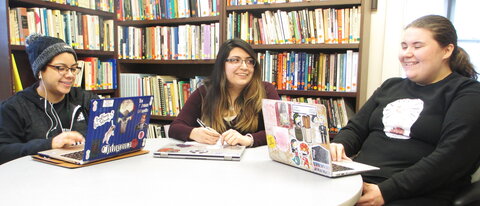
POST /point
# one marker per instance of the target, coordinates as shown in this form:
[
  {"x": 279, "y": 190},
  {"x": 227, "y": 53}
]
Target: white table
[{"x": 145, "y": 180}]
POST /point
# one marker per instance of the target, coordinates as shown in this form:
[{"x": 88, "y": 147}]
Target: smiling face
[
  {"x": 422, "y": 58},
  {"x": 238, "y": 76},
  {"x": 56, "y": 84}
]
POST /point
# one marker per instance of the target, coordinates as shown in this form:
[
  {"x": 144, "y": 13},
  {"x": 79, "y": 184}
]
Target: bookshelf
[
  {"x": 176, "y": 21},
  {"x": 161, "y": 65},
  {"x": 6, "y": 87},
  {"x": 187, "y": 68},
  {"x": 53, "y": 5},
  {"x": 179, "y": 68},
  {"x": 292, "y": 5},
  {"x": 18, "y": 51},
  {"x": 354, "y": 99}
]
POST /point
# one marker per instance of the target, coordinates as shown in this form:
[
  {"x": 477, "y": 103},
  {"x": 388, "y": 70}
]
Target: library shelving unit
[
  {"x": 23, "y": 65},
  {"x": 179, "y": 68},
  {"x": 352, "y": 99}
]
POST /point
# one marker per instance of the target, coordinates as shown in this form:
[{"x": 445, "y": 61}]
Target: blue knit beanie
[{"x": 42, "y": 49}]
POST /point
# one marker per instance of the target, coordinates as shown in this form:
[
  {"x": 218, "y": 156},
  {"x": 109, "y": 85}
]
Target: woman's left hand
[
  {"x": 371, "y": 195},
  {"x": 233, "y": 137}
]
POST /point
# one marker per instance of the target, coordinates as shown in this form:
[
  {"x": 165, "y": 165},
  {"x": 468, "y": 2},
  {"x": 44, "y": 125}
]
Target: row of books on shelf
[
  {"x": 166, "y": 9},
  {"x": 321, "y": 25},
  {"x": 253, "y": 2},
  {"x": 102, "y": 5},
  {"x": 96, "y": 74},
  {"x": 338, "y": 112},
  {"x": 169, "y": 92},
  {"x": 306, "y": 71},
  {"x": 169, "y": 43},
  {"x": 158, "y": 130},
  {"x": 76, "y": 29}
]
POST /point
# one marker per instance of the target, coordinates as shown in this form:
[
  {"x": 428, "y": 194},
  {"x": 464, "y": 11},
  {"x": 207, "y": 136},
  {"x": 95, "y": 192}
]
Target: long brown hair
[
  {"x": 444, "y": 33},
  {"x": 216, "y": 102}
]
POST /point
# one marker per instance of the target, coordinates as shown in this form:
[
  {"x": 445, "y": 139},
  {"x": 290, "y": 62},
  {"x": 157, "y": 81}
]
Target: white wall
[{"x": 386, "y": 29}]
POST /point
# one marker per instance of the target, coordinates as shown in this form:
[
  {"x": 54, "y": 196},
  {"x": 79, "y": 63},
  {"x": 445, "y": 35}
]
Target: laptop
[
  {"x": 297, "y": 135},
  {"x": 194, "y": 150},
  {"x": 115, "y": 126}
]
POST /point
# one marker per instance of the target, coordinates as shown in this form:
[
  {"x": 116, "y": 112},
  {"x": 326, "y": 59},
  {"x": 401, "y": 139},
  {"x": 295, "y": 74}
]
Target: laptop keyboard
[
  {"x": 337, "y": 168},
  {"x": 75, "y": 155}
]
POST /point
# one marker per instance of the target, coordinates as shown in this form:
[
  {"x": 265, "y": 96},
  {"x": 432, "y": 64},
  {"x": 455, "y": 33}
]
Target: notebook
[
  {"x": 194, "y": 150},
  {"x": 115, "y": 126},
  {"x": 297, "y": 135}
]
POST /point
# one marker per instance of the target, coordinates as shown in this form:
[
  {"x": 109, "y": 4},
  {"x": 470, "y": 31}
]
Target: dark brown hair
[{"x": 216, "y": 102}]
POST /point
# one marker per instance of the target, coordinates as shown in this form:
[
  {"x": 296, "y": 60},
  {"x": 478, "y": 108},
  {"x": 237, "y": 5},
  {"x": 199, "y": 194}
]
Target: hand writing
[{"x": 204, "y": 135}]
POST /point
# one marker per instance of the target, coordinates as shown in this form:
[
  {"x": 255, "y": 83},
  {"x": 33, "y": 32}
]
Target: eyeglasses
[
  {"x": 250, "y": 62},
  {"x": 62, "y": 70}
]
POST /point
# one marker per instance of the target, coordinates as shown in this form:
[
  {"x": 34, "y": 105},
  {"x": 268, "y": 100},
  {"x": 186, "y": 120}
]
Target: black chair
[{"x": 470, "y": 196}]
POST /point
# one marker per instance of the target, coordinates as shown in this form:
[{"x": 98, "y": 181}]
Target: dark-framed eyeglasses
[
  {"x": 64, "y": 69},
  {"x": 250, "y": 62}
]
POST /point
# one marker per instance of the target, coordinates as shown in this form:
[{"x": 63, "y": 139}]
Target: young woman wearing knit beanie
[{"x": 51, "y": 113}]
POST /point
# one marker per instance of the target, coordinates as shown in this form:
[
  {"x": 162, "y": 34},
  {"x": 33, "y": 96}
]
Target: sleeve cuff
[
  {"x": 387, "y": 188},
  {"x": 251, "y": 138}
]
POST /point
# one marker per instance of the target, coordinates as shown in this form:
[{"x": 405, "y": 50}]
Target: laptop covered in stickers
[
  {"x": 116, "y": 126},
  {"x": 297, "y": 135}
]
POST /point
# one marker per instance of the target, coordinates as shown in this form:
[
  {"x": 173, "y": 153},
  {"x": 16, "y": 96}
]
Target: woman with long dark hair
[{"x": 229, "y": 102}]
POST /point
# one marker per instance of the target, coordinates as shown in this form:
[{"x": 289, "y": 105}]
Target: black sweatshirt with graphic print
[{"x": 425, "y": 139}]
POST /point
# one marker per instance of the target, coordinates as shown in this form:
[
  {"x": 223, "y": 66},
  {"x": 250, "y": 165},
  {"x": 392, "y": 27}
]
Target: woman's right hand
[
  {"x": 337, "y": 151},
  {"x": 204, "y": 135}
]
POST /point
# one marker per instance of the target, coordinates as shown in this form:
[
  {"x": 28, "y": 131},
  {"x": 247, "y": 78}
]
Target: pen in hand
[{"x": 200, "y": 122}]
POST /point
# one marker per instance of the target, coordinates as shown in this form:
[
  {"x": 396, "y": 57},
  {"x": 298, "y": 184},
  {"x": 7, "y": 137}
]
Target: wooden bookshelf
[
  {"x": 97, "y": 53},
  {"x": 177, "y": 21},
  {"x": 305, "y": 46},
  {"x": 103, "y": 91},
  {"x": 186, "y": 68},
  {"x": 80, "y": 52},
  {"x": 257, "y": 9},
  {"x": 163, "y": 118},
  {"x": 352, "y": 99},
  {"x": 294, "y": 5},
  {"x": 183, "y": 69},
  {"x": 313, "y": 93},
  {"x": 53, "y": 5},
  {"x": 6, "y": 74},
  {"x": 154, "y": 61}
]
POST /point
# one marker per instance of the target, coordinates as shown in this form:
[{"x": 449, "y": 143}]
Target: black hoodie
[{"x": 24, "y": 123}]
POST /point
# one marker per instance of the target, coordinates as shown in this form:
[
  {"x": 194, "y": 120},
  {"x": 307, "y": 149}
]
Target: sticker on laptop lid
[{"x": 108, "y": 103}]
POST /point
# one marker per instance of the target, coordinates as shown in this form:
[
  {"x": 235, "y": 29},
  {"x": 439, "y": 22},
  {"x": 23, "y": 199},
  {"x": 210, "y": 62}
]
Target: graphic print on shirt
[{"x": 399, "y": 116}]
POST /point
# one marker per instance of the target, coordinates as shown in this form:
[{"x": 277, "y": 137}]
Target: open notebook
[
  {"x": 115, "y": 126},
  {"x": 297, "y": 135}
]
